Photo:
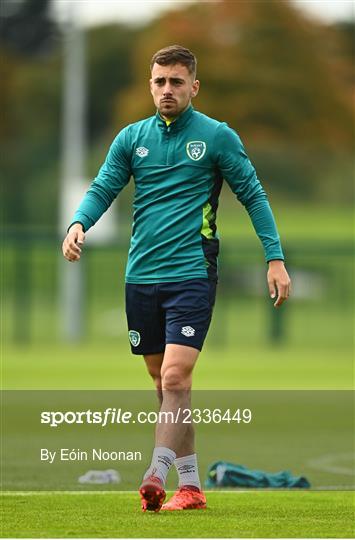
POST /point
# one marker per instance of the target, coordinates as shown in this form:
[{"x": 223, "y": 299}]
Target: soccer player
[{"x": 178, "y": 159}]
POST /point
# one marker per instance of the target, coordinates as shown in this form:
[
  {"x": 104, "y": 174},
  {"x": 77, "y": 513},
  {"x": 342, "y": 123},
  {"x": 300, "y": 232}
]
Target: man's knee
[
  {"x": 156, "y": 376},
  {"x": 153, "y": 363},
  {"x": 175, "y": 378}
]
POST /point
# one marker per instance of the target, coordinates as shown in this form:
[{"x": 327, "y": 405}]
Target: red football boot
[
  {"x": 152, "y": 494},
  {"x": 186, "y": 498}
]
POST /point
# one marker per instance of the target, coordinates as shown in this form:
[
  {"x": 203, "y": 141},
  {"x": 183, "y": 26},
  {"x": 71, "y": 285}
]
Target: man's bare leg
[
  {"x": 154, "y": 363},
  {"x": 171, "y": 359},
  {"x": 176, "y": 381},
  {"x": 174, "y": 441}
]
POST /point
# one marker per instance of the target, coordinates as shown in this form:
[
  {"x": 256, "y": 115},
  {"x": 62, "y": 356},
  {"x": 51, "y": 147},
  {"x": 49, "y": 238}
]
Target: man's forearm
[
  {"x": 264, "y": 224},
  {"x": 90, "y": 209}
]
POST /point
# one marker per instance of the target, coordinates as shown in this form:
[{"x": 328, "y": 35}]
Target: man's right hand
[{"x": 73, "y": 242}]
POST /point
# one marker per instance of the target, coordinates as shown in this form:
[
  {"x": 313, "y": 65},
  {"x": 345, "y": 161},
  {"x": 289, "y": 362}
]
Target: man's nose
[{"x": 167, "y": 91}]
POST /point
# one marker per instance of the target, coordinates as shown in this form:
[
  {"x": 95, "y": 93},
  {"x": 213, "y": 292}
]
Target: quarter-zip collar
[{"x": 179, "y": 122}]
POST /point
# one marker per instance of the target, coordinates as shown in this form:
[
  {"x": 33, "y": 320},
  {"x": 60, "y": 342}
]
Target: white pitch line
[
  {"x": 235, "y": 491},
  {"x": 335, "y": 488},
  {"x": 330, "y": 463},
  {"x": 27, "y": 493}
]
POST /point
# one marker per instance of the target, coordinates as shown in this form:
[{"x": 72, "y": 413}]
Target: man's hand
[
  {"x": 73, "y": 242},
  {"x": 279, "y": 282}
]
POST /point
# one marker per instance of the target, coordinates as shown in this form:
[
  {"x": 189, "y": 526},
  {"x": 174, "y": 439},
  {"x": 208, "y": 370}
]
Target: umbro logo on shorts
[{"x": 188, "y": 331}]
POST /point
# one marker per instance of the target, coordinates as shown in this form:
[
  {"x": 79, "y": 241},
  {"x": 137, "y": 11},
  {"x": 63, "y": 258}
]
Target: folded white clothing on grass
[{"x": 100, "y": 477}]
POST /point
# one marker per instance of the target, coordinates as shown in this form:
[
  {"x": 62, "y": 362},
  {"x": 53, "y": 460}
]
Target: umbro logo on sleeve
[{"x": 188, "y": 331}]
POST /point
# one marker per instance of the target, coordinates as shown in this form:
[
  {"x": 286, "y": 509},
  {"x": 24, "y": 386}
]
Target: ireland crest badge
[
  {"x": 196, "y": 150},
  {"x": 134, "y": 337}
]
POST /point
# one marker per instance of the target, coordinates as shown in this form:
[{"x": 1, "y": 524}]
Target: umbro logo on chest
[{"x": 142, "y": 151}]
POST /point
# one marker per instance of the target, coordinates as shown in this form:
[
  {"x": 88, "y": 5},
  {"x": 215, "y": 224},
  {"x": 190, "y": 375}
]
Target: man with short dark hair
[{"x": 178, "y": 158}]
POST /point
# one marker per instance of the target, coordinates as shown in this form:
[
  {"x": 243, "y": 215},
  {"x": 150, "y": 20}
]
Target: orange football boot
[
  {"x": 152, "y": 494},
  {"x": 186, "y": 498}
]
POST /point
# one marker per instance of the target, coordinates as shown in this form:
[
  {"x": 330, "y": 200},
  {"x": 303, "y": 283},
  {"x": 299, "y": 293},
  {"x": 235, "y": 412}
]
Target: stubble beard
[{"x": 169, "y": 111}]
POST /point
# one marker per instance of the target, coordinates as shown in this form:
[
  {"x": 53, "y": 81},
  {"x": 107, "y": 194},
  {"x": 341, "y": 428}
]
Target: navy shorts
[{"x": 163, "y": 313}]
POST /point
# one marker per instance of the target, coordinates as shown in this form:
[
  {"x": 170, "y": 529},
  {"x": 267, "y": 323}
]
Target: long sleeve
[
  {"x": 240, "y": 174},
  {"x": 111, "y": 179}
]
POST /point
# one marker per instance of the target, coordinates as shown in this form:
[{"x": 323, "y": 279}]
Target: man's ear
[
  {"x": 195, "y": 88},
  {"x": 151, "y": 85}
]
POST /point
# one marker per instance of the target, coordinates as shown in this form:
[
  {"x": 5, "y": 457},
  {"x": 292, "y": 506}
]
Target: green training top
[{"x": 178, "y": 171}]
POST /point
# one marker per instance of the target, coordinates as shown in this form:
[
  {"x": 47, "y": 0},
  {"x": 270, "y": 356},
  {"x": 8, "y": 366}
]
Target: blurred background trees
[
  {"x": 282, "y": 81},
  {"x": 285, "y": 83}
]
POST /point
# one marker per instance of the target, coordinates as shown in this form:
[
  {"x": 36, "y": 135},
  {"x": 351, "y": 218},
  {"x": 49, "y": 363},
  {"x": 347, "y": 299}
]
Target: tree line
[{"x": 283, "y": 81}]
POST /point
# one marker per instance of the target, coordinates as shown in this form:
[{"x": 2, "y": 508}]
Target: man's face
[{"x": 172, "y": 88}]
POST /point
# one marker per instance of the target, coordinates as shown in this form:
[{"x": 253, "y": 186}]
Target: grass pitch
[
  {"x": 251, "y": 514},
  {"x": 317, "y": 354},
  {"x": 109, "y": 366}
]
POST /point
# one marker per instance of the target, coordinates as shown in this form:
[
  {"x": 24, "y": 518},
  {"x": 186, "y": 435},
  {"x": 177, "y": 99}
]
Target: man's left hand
[{"x": 279, "y": 282}]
